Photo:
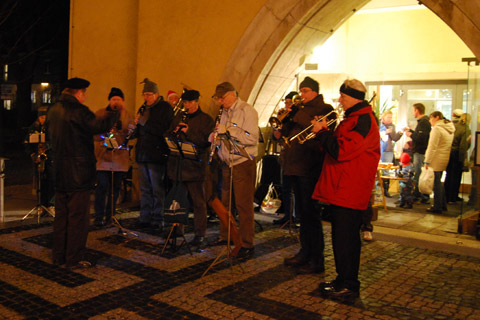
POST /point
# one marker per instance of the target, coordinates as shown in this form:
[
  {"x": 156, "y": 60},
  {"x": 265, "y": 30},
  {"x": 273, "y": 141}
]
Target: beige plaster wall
[
  {"x": 175, "y": 44},
  {"x": 103, "y": 41}
]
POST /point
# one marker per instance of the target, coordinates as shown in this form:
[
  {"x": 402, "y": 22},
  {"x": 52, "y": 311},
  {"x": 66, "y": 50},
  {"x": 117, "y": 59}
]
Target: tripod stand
[
  {"x": 227, "y": 252},
  {"x": 121, "y": 230},
  {"x": 39, "y": 208}
]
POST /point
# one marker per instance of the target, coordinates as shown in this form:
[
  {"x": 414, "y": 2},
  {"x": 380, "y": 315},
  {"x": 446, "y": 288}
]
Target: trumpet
[
  {"x": 306, "y": 133},
  {"x": 276, "y": 122}
]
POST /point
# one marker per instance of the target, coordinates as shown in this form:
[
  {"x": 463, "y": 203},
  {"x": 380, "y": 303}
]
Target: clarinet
[
  {"x": 133, "y": 130},
  {"x": 215, "y": 135}
]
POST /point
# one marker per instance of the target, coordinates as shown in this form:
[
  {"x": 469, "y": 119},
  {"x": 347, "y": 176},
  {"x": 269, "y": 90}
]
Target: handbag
[
  {"x": 271, "y": 203},
  {"x": 425, "y": 182}
]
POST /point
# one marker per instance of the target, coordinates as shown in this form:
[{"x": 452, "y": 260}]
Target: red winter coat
[{"x": 350, "y": 165}]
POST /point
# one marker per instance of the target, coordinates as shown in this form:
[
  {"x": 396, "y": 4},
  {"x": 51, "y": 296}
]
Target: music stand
[
  {"x": 38, "y": 138},
  {"x": 112, "y": 146},
  {"x": 234, "y": 147},
  {"x": 178, "y": 217}
]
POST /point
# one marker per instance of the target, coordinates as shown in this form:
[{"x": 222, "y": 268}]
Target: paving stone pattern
[{"x": 132, "y": 280}]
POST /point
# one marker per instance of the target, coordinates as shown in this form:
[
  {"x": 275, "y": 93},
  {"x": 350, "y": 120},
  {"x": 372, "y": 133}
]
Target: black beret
[
  {"x": 77, "y": 83},
  {"x": 291, "y": 95},
  {"x": 115, "y": 92},
  {"x": 190, "y": 95},
  {"x": 310, "y": 83}
]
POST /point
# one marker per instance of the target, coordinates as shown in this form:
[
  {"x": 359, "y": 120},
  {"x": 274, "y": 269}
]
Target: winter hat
[
  {"x": 190, "y": 95},
  {"x": 310, "y": 83},
  {"x": 457, "y": 113},
  {"x": 291, "y": 95},
  {"x": 223, "y": 88},
  {"x": 171, "y": 93},
  {"x": 42, "y": 111},
  {"x": 77, "y": 83},
  {"x": 149, "y": 86},
  {"x": 405, "y": 158},
  {"x": 115, "y": 92}
]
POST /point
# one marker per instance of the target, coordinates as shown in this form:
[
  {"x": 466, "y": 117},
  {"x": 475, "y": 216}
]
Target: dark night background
[{"x": 34, "y": 46}]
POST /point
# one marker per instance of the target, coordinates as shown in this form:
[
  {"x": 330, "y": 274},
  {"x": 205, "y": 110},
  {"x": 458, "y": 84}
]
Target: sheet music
[{"x": 36, "y": 138}]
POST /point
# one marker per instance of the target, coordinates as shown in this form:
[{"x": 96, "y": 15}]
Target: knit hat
[
  {"x": 291, "y": 95},
  {"x": 223, "y": 88},
  {"x": 115, "y": 92},
  {"x": 405, "y": 158},
  {"x": 354, "y": 93},
  {"x": 310, "y": 83},
  {"x": 190, "y": 95},
  {"x": 149, "y": 86},
  {"x": 457, "y": 113},
  {"x": 171, "y": 93},
  {"x": 42, "y": 111},
  {"x": 77, "y": 83}
]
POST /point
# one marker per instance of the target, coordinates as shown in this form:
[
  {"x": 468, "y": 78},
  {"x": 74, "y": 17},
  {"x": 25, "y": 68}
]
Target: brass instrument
[
  {"x": 276, "y": 122},
  {"x": 213, "y": 147},
  {"x": 178, "y": 107},
  {"x": 306, "y": 133}
]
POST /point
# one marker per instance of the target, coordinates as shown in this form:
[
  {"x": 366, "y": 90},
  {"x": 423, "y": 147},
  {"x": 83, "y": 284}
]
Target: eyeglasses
[{"x": 148, "y": 94}]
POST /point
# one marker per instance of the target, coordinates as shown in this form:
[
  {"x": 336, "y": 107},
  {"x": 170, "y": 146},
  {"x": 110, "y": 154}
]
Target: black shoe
[
  {"x": 328, "y": 286},
  {"x": 387, "y": 194},
  {"x": 425, "y": 201},
  {"x": 296, "y": 261},
  {"x": 98, "y": 225},
  {"x": 245, "y": 252},
  {"x": 58, "y": 262},
  {"x": 343, "y": 294},
  {"x": 281, "y": 221},
  {"x": 401, "y": 205},
  {"x": 158, "y": 228},
  {"x": 197, "y": 241},
  {"x": 310, "y": 267},
  {"x": 433, "y": 210},
  {"x": 142, "y": 225},
  {"x": 408, "y": 206},
  {"x": 83, "y": 264}
]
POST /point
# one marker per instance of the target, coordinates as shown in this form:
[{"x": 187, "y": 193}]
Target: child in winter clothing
[{"x": 406, "y": 171}]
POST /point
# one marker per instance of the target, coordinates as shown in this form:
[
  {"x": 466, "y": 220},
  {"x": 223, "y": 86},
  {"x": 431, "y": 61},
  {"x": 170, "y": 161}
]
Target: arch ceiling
[{"x": 284, "y": 32}]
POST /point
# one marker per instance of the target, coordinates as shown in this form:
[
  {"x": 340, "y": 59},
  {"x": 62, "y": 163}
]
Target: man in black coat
[
  {"x": 420, "y": 137},
  {"x": 303, "y": 163},
  {"x": 71, "y": 126},
  {"x": 192, "y": 126},
  {"x": 153, "y": 120}
]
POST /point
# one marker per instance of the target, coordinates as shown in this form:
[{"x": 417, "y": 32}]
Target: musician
[
  {"x": 239, "y": 122},
  {"x": 71, "y": 126},
  {"x": 153, "y": 120},
  {"x": 172, "y": 98},
  {"x": 111, "y": 160},
  {"x": 42, "y": 159},
  {"x": 286, "y": 180},
  {"x": 303, "y": 163},
  {"x": 346, "y": 181},
  {"x": 193, "y": 126}
]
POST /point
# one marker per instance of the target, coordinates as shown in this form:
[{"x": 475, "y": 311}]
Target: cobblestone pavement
[{"x": 132, "y": 280}]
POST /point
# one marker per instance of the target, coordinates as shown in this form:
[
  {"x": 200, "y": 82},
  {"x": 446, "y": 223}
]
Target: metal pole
[{"x": 2, "y": 177}]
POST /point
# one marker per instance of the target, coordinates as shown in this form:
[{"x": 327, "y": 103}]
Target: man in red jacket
[{"x": 346, "y": 181}]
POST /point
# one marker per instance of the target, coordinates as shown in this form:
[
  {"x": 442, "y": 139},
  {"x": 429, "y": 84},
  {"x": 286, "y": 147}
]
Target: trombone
[
  {"x": 277, "y": 122},
  {"x": 306, "y": 133}
]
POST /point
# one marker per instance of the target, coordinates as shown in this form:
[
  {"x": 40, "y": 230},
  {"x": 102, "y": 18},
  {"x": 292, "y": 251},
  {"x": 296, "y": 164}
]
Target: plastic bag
[
  {"x": 425, "y": 182},
  {"x": 270, "y": 203}
]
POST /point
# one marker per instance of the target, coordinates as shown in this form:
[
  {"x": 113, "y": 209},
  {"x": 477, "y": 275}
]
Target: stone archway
[{"x": 285, "y": 31}]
